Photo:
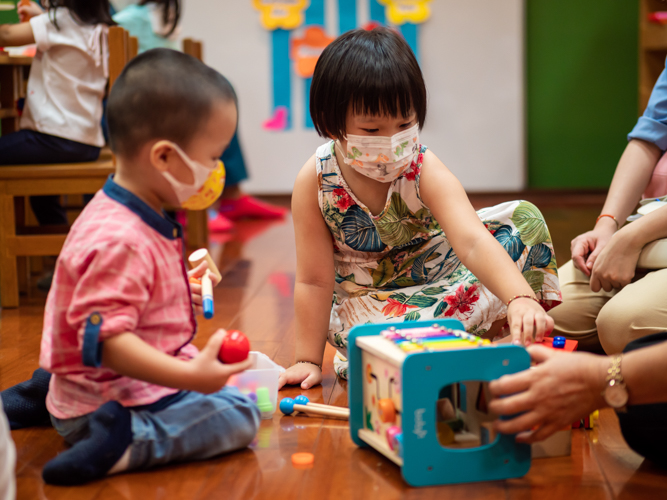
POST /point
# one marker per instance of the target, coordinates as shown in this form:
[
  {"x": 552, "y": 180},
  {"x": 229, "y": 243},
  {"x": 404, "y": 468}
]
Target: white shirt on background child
[{"x": 68, "y": 78}]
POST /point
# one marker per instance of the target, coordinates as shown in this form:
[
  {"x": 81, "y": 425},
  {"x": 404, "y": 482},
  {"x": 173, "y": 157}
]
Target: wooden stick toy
[
  {"x": 196, "y": 258},
  {"x": 303, "y": 405}
]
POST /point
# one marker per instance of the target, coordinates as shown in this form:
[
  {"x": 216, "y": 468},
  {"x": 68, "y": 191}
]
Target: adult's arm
[
  {"x": 564, "y": 387},
  {"x": 648, "y": 140}
]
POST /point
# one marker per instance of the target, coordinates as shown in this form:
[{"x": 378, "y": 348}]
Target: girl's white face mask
[
  {"x": 383, "y": 159},
  {"x": 206, "y": 188}
]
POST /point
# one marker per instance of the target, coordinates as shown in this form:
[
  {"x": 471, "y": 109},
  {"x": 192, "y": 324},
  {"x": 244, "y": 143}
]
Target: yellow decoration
[
  {"x": 406, "y": 11},
  {"x": 285, "y": 14}
]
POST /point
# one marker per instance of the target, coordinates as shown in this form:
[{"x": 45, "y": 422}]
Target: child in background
[
  {"x": 383, "y": 226},
  {"x": 128, "y": 390},
  {"x": 68, "y": 77},
  {"x": 153, "y": 22}
]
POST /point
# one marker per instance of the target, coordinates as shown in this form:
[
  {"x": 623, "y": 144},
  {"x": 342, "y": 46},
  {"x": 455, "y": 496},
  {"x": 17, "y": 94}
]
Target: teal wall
[{"x": 582, "y": 74}]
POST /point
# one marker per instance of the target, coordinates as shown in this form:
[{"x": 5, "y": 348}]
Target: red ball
[{"x": 235, "y": 347}]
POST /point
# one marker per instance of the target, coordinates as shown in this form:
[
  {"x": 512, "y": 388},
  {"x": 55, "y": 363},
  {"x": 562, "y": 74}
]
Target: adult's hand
[
  {"x": 561, "y": 389},
  {"x": 615, "y": 266},
  {"x": 586, "y": 247}
]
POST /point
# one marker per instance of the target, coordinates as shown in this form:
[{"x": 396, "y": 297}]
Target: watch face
[{"x": 616, "y": 395}]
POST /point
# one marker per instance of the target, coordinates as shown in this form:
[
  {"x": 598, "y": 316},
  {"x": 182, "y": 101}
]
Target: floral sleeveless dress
[{"x": 399, "y": 265}]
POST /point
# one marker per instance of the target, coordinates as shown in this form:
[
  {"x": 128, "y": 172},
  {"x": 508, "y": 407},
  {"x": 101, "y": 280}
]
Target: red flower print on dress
[
  {"x": 394, "y": 308},
  {"x": 461, "y": 302},
  {"x": 413, "y": 171},
  {"x": 344, "y": 200}
]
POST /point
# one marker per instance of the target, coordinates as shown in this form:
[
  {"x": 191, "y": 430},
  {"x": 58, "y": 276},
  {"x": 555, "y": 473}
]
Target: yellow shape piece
[
  {"x": 406, "y": 11},
  {"x": 285, "y": 14}
]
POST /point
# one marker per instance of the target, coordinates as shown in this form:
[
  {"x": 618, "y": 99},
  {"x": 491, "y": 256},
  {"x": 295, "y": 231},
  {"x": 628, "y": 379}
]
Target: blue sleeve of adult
[{"x": 652, "y": 125}]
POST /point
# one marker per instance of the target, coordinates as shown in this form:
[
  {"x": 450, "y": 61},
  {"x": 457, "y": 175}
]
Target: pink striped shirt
[{"x": 120, "y": 270}]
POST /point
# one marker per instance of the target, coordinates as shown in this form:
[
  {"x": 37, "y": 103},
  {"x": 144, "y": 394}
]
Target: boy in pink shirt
[{"x": 128, "y": 390}]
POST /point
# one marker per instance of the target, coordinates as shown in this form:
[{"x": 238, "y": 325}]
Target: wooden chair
[
  {"x": 197, "y": 231},
  {"x": 22, "y": 181}
]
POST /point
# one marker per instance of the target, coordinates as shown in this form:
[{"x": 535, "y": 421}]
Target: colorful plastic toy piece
[
  {"x": 301, "y": 400},
  {"x": 410, "y": 364},
  {"x": 235, "y": 347},
  {"x": 558, "y": 343},
  {"x": 569, "y": 346},
  {"x": 303, "y": 459},
  {"x": 387, "y": 410},
  {"x": 264, "y": 402},
  {"x": 391, "y": 433}
]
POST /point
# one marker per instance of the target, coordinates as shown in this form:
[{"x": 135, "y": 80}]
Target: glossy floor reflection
[{"x": 256, "y": 297}]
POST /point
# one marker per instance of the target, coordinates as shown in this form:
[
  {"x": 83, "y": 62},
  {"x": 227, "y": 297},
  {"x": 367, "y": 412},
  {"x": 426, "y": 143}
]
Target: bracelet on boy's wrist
[{"x": 308, "y": 363}]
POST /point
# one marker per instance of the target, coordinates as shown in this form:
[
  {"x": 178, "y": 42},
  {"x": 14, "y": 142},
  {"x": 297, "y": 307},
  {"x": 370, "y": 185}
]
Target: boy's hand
[
  {"x": 207, "y": 373},
  {"x": 28, "y": 11},
  {"x": 195, "y": 284},
  {"x": 528, "y": 321},
  {"x": 306, "y": 374}
]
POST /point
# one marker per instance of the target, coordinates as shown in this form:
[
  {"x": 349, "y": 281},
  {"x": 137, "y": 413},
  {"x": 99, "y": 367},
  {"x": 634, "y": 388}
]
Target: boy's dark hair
[
  {"x": 85, "y": 11},
  {"x": 162, "y": 94},
  {"x": 171, "y": 12},
  {"x": 374, "y": 72}
]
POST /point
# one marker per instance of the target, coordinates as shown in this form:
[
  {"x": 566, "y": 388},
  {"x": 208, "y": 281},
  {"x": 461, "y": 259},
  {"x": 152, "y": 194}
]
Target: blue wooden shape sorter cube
[{"x": 399, "y": 375}]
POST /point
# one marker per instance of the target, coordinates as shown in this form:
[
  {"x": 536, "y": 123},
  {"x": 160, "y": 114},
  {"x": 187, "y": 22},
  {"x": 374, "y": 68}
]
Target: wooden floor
[{"x": 256, "y": 296}]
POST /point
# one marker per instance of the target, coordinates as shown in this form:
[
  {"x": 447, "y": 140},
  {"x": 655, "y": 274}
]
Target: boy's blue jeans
[{"x": 194, "y": 427}]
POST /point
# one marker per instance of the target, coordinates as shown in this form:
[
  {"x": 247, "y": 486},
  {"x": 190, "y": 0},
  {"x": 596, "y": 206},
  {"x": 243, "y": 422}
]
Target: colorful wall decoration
[{"x": 298, "y": 37}]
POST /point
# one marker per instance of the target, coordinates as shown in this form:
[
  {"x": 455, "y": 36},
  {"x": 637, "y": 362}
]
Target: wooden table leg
[{"x": 9, "y": 285}]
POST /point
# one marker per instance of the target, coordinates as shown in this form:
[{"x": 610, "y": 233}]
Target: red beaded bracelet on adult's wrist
[{"x": 618, "y": 226}]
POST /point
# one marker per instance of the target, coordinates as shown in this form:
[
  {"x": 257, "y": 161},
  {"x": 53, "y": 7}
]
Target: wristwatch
[{"x": 615, "y": 393}]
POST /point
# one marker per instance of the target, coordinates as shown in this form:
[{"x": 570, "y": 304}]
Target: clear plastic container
[{"x": 260, "y": 383}]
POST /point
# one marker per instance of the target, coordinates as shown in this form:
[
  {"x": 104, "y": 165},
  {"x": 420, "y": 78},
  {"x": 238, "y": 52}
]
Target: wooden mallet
[
  {"x": 196, "y": 258},
  {"x": 303, "y": 405}
]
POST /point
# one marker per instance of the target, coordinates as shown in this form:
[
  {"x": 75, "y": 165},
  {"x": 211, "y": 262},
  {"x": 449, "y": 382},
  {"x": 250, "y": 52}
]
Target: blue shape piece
[
  {"x": 559, "y": 339},
  {"x": 287, "y": 406},
  {"x": 398, "y": 444},
  {"x": 252, "y": 397},
  {"x": 301, "y": 400}
]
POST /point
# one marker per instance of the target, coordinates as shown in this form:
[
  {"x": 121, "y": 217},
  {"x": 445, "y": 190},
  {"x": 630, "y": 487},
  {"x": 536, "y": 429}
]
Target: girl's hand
[
  {"x": 615, "y": 266},
  {"x": 26, "y": 12},
  {"x": 562, "y": 388},
  {"x": 586, "y": 247},
  {"x": 195, "y": 284},
  {"x": 527, "y": 321},
  {"x": 207, "y": 374},
  {"x": 306, "y": 374}
]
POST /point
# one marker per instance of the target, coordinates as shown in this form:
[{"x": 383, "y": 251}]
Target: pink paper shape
[{"x": 278, "y": 121}]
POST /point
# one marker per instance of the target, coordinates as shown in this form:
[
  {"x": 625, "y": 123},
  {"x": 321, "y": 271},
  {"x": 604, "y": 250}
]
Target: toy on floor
[
  {"x": 418, "y": 395},
  {"x": 235, "y": 347},
  {"x": 303, "y": 405},
  {"x": 260, "y": 383},
  {"x": 196, "y": 258},
  {"x": 559, "y": 343}
]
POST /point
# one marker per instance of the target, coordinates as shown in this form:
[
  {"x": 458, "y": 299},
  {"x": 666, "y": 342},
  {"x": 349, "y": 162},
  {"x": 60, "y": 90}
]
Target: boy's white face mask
[
  {"x": 206, "y": 188},
  {"x": 383, "y": 159}
]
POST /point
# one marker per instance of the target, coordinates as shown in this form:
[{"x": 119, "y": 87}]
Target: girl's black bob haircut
[
  {"x": 85, "y": 11},
  {"x": 370, "y": 72}
]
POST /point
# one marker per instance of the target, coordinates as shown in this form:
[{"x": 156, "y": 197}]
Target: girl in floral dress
[{"x": 386, "y": 233}]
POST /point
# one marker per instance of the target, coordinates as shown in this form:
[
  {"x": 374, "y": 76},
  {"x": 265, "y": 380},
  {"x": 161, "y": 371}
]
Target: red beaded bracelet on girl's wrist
[{"x": 523, "y": 296}]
